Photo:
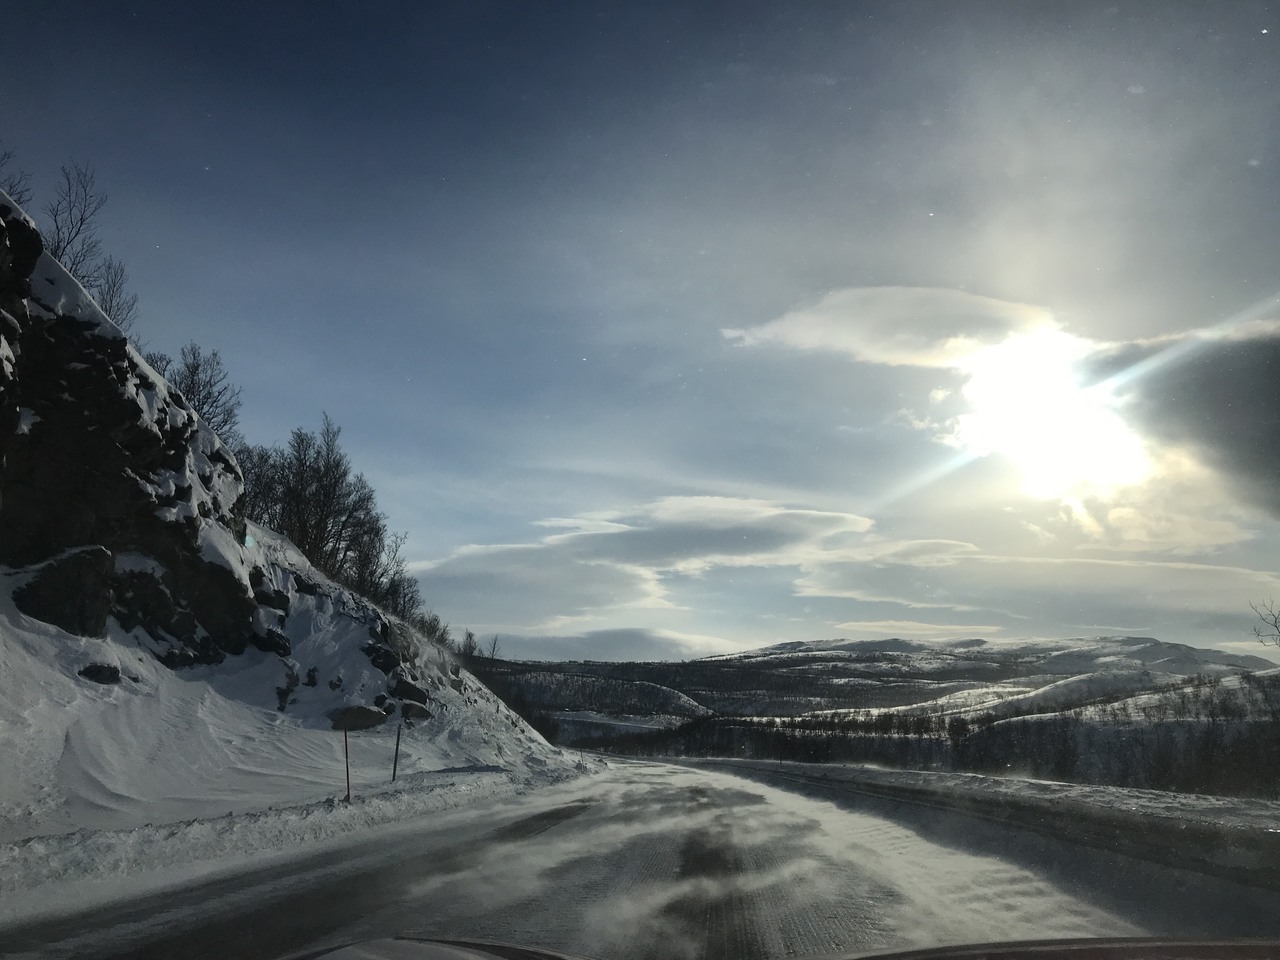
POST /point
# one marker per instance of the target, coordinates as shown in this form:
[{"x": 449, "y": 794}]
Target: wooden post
[
  {"x": 347, "y": 752},
  {"x": 396, "y": 762}
]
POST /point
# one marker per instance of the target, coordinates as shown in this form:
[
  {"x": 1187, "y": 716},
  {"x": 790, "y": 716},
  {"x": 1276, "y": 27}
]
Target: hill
[
  {"x": 1126, "y": 711},
  {"x": 160, "y": 657}
]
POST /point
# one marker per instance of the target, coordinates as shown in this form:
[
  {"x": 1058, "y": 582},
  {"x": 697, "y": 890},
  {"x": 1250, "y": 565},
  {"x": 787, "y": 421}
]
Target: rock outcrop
[{"x": 121, "y": 509}]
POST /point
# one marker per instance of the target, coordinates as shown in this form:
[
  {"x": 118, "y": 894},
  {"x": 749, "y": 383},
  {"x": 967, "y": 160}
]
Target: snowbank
[
  {"x": 1238, "y": 839},
  {"x": 75, "y": 871}
]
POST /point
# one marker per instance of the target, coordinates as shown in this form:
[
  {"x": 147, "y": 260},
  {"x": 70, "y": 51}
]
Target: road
[{"x": 651, "y": 860}]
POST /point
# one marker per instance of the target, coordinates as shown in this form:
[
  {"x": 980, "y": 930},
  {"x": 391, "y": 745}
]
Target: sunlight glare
[{"x": 1026, "y": 404}]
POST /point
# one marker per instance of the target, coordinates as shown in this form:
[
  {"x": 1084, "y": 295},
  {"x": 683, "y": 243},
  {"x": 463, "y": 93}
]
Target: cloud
[
  {"x": 602, "y": 563},
  {"x": 1066, "y": 591},
  {"x": 915, "y": 629},
  {"x": 693, "y": 534},
  {"x": 1215, "y": 392},
  {"x": 1075, "y": 416},
  {"x": 899, "y": 326},
  {"x": 530, "y": 586}
]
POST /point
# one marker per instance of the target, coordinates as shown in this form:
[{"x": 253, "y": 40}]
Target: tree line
[{"x": 1198, "y": 735}]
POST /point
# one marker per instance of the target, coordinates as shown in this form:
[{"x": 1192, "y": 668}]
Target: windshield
[{"x": 639, "y": 479}]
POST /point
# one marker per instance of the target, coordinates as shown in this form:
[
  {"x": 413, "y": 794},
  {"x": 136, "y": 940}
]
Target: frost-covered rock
[
  {"x": 98, "y": 451},
  {"x": 162, "y": 658},
  {"x": 121, "y": 510}
]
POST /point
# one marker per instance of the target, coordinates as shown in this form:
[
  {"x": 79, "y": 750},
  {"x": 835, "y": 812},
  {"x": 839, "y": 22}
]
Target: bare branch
[
  {"x": 14, "y": 181},
  {"x": 1269, "y": 614},
  {"x": 202, "y": 379},
  {"x": 71, "y": 234},
  {"x": 112, "y": 293}
]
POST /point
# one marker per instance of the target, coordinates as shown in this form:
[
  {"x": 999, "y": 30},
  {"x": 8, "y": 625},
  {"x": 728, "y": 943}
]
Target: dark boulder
[
  {"x": 272, "y": 641},
  {"x": 303, "y": 585},
  {"x": 71, "y": 591},
  {"x": 266, "y": 595},
  {"x": 20, "y": 249},
  {"x": 100, "y": 672},
  {"x": 383, "y": 658},
  {"x": 275, "y": 599},
  {"x": 356, "y": 718},
  {"x": 284, "y": 695},
  {"x": 415, "y": 711},
  {"x": 404, "y": 690}
]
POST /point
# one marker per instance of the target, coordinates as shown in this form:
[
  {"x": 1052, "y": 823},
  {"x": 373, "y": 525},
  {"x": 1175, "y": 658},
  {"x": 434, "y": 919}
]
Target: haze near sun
[{"x": 1028, "y": 404}]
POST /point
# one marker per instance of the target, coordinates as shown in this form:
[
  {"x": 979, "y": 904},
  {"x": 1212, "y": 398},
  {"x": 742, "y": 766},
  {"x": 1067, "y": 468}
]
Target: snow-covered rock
[{"x": 162, "y": 658}]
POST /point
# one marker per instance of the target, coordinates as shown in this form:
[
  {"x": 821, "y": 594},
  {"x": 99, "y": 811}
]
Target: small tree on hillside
[
  {"x": 71, "y": 229},
  {"x": 257, "y": 466},
  {"x": 1268, "y": 631},
  {"x": 199, "y": 375},
  {"x": 70, "y": 236},
  {"x": 14, "y": 181},
  {"x": 113, "y": 295}
]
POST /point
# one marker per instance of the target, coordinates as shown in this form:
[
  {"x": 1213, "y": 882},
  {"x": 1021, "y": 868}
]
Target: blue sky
[{"x": 666, "y": 329}]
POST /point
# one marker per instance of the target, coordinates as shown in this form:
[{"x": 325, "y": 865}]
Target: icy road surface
[{"x": 650, "y": 860}]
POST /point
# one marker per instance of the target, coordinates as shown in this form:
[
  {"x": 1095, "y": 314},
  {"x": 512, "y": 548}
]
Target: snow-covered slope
[
  {"x": 1061, "y": 657},
  {"x": 165, "y": 745},
  {"x": 996, "y": 678},
  {"x": 161, "y": 658}
]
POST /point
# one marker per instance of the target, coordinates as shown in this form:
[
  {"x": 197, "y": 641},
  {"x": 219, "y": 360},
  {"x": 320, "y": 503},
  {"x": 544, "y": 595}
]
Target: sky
[{"x": 672, "y": 329}]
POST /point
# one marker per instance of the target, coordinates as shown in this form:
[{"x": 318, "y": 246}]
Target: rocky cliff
[{"x": 121, "y": 513}]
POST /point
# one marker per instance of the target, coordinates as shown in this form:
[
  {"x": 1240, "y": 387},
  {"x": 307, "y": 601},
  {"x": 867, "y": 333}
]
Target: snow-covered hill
[
  {"x": 829, "y": 679},
  {"x": 161, "y": 658},
  {"x": 1061, "y": 657},
  {"x": 166, "y": 744}
]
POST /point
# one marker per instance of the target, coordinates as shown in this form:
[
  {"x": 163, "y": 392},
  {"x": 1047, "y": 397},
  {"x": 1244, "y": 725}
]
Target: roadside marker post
[{"x": 395, "y": 763}]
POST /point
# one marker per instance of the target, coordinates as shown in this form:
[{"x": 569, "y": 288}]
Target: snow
[
  {"x": 27, "y": 418},
  {"x": 66, "y": 873},
  {"x": 181, "y": 770},
  {"x": 166, "y": 745},
  {"x": 54, "y": 292},
  {"x": 1069, "y": 656},
  {"x": 1228, "y": 813},
  {"x": 1024, "y": 695}
]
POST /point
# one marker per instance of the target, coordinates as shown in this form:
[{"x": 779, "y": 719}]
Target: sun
[{"x": 1027, "y": 404}]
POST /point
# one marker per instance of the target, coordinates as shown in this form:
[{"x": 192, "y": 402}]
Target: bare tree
[
  {"x": 308, "y": 492},
  {"x": 200, "y": 377},
  {"x": 14, "y": 181},
  {"x": 1268, "y": 631},
  {"x": 112, "y": 294},
  {"x": 469, "y": 647},
  {"x": 71, "y": 233},
  {"x": 257, "y": 467},
  {"x": 493, "y": 649}
]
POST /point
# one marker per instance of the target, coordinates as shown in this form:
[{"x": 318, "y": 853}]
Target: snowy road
[{"x": 648, "y": 860}]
